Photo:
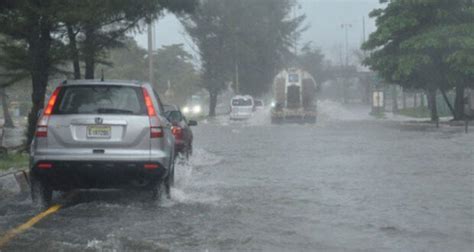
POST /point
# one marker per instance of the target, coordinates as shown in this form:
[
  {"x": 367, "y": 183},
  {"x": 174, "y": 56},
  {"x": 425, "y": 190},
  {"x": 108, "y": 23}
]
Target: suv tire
[
  {"x": 157, "y": 190},
  {"x": 41, "y": 193},
  {"x": 169, "y": 180}
]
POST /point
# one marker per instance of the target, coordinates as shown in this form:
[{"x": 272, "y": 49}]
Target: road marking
[{"x": 22, "y": 228}]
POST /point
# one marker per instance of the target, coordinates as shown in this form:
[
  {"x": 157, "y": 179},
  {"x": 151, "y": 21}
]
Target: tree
[
  {"x": 172, "y": 64},
  {"x": 93, "y": 27},
  {"x": 126, "y": 63},
  {"x": 312, "y": 60},
  {"x": 6, "y": 80},
  {"x": 8, "y": 123},
  {"x": 418, "y": 44},
  {"x": 37, "y": 30},
  {"x": 32, "y": 47},
  {"x": 242, "y": 42}
]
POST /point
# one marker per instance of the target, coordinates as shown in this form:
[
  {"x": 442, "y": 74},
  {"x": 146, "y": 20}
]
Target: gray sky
[{"x": 323, "y": 16}]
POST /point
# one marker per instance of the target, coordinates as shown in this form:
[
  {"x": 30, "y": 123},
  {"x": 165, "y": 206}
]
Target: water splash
[{"x": 189, "y": 186}]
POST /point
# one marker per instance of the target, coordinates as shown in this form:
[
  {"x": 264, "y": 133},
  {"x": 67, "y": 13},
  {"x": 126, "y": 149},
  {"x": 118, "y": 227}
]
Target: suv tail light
[
  {"x": 41, "y": 131},
  {"x": 42, "y": 126},
  {"x": 156, "y": 131},
  {"x": 177, "y": 132}
]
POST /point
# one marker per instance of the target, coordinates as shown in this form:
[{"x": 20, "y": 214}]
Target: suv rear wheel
[
  {"x": 157, "y": 191},
  {"x": 169, "y": 180},
  {"x": 41, "y": 193}
]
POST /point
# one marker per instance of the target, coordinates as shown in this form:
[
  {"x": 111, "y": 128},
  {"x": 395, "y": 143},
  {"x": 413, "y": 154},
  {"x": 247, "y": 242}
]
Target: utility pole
[
  {"x": 346, "y": 67},
  {"x": 296, "y": 36},
  {"x": 237, "y": 84},
  {"x": 363, "y": 30},
  {"x": 346, "y": 31},
  {"x": 150, "y": 54}
]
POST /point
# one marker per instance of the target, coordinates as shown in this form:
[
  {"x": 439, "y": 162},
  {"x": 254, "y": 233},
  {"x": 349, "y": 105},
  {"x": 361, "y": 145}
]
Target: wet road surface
[{"x": 357, "y": 185}]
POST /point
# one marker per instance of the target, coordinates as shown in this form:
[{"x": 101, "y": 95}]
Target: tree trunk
[
  {"x": 459, "y": 102},
  {"x": 404, "y": 99},
  {"x": 89, "y": 52},
  {"x": 367, "y": 92},
  {"x": 39, "y": 53},
  {"x": 394, "y": 99},
  {"x": 344, "y": 91},
  {"x": 446, "y": 99},
  {"x": 8, "y": 123},
  {"x": 74, "y": 52},
  {"x": 212, "y": 103},
  {"x": 415, "y": 100},
  {"x": 422, "y": 100},
  {"x": 38, "y": 97},
  {"x": 432, "y": 104}
]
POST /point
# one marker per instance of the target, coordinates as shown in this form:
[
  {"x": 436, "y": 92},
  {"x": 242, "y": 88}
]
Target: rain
[{"x": 233, "y": 125}]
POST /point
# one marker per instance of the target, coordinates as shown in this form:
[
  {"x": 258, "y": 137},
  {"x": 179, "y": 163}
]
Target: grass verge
[
  {"x": 420, "y": 112},
  {"x": 13, "y": 161}
]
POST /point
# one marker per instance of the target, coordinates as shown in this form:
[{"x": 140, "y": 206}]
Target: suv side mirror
[{"x": 192, "y": 123}]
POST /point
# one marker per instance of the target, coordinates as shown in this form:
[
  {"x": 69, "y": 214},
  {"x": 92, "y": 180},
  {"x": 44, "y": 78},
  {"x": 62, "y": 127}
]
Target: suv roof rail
[{"x": 90, "y": 81}]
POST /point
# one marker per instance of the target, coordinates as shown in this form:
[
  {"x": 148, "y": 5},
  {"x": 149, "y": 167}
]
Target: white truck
[{"x": 294, "y": 97}]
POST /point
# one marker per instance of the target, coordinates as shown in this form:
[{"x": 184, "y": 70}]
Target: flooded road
[{"x": 357, "y": 185}]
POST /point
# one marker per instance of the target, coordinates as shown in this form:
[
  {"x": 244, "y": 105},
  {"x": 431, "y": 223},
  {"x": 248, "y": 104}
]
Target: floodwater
[{"x": 348, "y": 183}]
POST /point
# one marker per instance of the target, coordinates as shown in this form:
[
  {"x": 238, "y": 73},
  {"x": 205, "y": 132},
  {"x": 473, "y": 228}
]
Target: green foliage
[
  {"x": 97, "y": 26},
  {"x": 425, "y": 44},
  {"x": 422, "y": 43},
  {"x": 40, "y": 36},
  {"x": 126, "y": 63},
  {"x": 251, "y": 36},
  {"x": 172, "y": 63},
  {"x": 312, "y": 60}
]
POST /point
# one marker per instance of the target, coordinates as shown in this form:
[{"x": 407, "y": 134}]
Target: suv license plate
[{"x": 96, "y": 131}]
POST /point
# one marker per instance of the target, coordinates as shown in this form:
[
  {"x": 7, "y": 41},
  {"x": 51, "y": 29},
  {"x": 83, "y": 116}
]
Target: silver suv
[{"x": 102, "y": 134}]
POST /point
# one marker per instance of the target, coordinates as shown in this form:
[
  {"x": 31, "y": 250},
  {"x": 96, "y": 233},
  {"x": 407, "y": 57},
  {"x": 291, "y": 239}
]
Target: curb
[{"x": 15, "y": 182}]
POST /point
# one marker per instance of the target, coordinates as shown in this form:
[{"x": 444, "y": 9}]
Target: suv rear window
[
  {"x": 241, "y": 102},
  {"x": 100, "y": 99}
]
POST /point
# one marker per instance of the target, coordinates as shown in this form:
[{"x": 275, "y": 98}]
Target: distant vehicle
[
  {"x": 194, "y": 107},
  {"x": 241, "y": 107},
  {"x": 181, "y": 130},
  {"x": 102, "y": 134},
  {"x": 259, "y": 105},
  {"x": 294, "y": 95}
]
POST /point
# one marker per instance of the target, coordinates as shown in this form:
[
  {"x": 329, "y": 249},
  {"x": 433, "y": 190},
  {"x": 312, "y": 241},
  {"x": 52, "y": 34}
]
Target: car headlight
[
  {"x": 273, "y": 104},
  {"x": 185, "y": 110},
  {"x": 197, "y": 109}
]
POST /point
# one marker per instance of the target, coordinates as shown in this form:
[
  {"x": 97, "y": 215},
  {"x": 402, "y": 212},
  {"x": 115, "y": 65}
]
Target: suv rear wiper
[{"x": 114, "y": 111}]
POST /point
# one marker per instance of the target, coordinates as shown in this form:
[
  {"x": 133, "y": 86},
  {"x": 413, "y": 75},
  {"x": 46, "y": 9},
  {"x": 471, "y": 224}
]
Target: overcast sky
[{"x": 324, "y": 18}]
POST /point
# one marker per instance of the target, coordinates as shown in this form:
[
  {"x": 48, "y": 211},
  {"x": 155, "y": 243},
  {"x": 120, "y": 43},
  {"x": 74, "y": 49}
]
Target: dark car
[{"x": 181, "y": 130}]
